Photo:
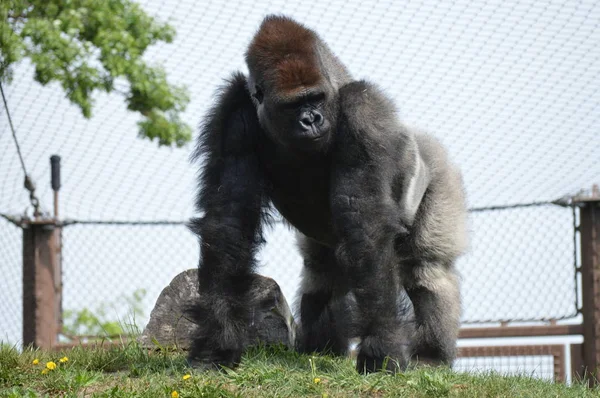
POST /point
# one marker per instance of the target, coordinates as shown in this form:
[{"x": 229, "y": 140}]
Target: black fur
[
  {"x": 379, "y": 208},
  {"x": 326, "y": 326},
  {"x": 233, "y": 198}
]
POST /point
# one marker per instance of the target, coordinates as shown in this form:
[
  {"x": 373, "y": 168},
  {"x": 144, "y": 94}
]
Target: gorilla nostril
[
  {"x": 318, "y": 119},
  {"x": 307, "y": 119},
  {"x": 305, "y": 123}
]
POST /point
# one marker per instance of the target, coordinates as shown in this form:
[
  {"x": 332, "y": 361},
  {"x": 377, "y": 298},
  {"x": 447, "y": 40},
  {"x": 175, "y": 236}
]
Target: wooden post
[
  {"x": 577, "y": 367},
  {"x": 42, "y": 283},
  {"x": 589, "y": 234}
]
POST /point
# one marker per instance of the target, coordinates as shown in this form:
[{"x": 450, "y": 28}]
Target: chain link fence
[{"x": 511, "y": 88}]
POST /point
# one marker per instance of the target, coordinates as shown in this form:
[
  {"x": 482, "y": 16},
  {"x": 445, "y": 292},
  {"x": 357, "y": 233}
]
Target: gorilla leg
[
  {"x": 434, "y": 291},
  {"x": 324, "y": 315}
]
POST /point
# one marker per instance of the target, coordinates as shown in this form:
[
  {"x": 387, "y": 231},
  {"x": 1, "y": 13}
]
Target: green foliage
[
  {"x": 99, "y": 323},
  {"x": 89, "y": 46}
]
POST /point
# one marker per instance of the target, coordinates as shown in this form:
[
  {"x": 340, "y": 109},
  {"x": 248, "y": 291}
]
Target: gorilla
[{"x": 379, "y": 209}]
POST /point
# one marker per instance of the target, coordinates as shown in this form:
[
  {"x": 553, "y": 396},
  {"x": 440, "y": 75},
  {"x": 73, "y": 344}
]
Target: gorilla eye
[
  {"x": 316, "y": 97},
  {"x": 258, "y": 94}
]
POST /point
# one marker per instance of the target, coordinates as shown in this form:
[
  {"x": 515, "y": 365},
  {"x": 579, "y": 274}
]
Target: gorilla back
[{"x": 380, "y": 210}]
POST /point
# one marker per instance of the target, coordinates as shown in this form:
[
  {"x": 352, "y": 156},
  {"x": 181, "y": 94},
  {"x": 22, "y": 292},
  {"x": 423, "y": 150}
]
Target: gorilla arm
[
  {"x": 368, "y": 219},
  {"x": 232, "y": 198}
]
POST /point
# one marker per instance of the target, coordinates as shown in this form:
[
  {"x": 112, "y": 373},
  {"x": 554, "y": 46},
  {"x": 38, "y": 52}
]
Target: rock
[{"x": 272, "y": 321}]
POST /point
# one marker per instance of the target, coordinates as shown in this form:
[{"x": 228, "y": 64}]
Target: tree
[{"x": 90, "y": 45}]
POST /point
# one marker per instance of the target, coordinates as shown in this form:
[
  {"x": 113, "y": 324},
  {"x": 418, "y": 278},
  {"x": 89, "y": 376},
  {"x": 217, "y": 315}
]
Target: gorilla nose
[{"x": 310, "y": 118}]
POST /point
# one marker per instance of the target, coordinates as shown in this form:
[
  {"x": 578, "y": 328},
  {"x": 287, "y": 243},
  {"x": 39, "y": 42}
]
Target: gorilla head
[{"x": 294, "y": 81}]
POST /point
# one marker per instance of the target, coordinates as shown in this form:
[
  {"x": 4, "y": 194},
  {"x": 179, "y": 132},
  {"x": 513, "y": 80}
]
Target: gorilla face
[{"x": 303, "y": 120}]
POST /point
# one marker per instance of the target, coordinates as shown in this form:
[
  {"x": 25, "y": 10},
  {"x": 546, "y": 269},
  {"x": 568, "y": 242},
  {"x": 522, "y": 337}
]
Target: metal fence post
[
  {"x": 42, "y": 284},
  {"x": 589, "y": 235}
]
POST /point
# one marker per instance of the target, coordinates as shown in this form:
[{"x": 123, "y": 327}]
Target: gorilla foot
[
  {"x": 374, "y": 355},
  {"x": 204, "y": 358},
  {"x": 434, "y": 348},
  {"x": 434, "y": 355}
]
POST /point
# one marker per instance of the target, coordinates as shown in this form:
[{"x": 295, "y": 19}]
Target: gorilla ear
[{"x": 258, "y": 94}]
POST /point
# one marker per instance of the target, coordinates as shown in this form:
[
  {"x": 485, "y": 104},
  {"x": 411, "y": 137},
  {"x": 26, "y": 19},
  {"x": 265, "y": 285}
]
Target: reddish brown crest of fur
[{"x": 283, "y": 51}]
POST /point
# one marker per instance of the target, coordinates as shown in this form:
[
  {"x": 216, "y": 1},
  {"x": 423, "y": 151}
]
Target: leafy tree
[
  {"x": 91, "y": 45},
  {"x": 100, "y": 321}
]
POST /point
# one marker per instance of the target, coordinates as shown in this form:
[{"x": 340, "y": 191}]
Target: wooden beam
[{"x": 520, "y": 331}]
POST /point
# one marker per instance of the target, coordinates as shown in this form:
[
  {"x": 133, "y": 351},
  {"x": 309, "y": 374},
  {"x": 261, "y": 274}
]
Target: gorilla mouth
[
  {"x": 314, "y": 135},
  {"x": 310, "y": 140}
]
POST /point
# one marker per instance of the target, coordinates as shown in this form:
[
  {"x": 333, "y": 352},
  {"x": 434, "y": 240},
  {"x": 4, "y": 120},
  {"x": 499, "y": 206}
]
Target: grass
[{"x": 130, "y": 371}]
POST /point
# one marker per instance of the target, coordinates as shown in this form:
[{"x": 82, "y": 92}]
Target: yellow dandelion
[
  {"x": 50, "y": 365},
  {"x": 35, "y": 361},
  {"x": 316, "y": 380},
  {"x": 174, "y": 394},
  {"x": 44, "y": 371},
  {"x": 185, "y": 377},
  {"x": 63, "y": 359}
]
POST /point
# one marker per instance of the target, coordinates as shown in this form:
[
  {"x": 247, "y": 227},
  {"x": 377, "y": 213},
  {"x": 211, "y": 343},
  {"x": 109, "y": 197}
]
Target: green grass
[{"x": 130, "y": 371}]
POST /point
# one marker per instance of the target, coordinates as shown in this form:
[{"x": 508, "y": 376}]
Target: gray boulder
[{"x": 272, "y": 321}]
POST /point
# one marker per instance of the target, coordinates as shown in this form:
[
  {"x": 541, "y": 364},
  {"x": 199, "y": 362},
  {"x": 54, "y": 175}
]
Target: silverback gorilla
[{"x": 379, "y": 209}]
